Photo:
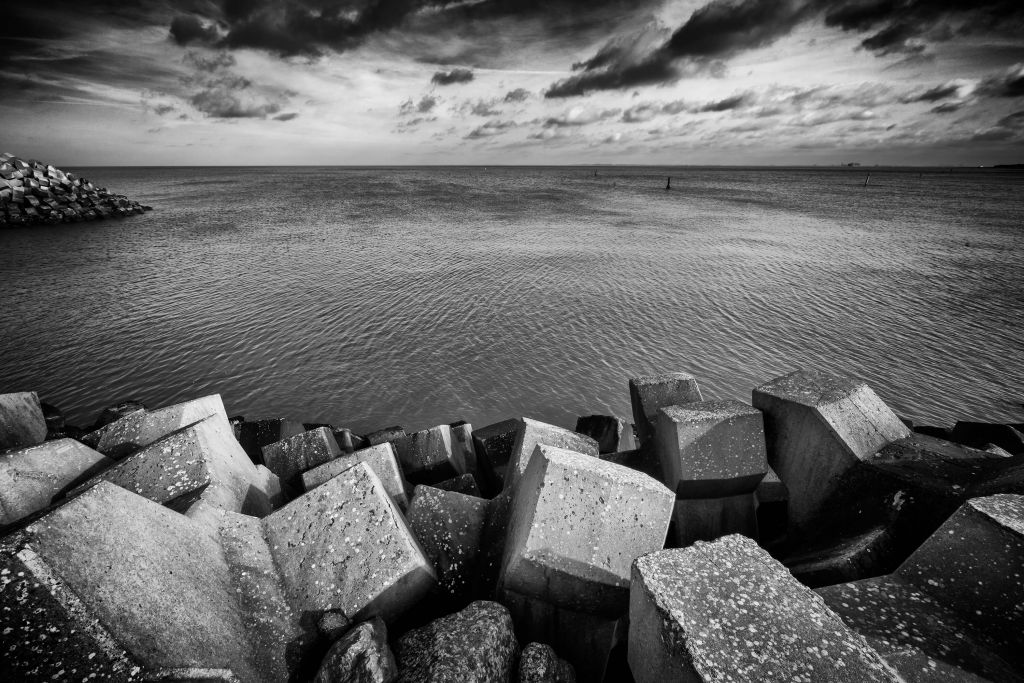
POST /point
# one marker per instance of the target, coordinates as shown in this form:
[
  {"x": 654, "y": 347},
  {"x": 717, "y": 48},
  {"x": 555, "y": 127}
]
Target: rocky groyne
[
  {"x": 810, "y": 535},
  {"x": 33, "y": 193}
]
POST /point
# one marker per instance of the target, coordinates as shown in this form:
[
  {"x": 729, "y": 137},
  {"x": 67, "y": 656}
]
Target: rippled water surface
[{"x": 370, "y": 297}]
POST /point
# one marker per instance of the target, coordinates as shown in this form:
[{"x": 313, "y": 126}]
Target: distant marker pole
[
  {"x": 867, "y": 179},
  {"x": 668, "y": 183}
]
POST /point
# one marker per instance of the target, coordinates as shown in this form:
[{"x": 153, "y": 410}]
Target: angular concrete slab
[
  {"x": 388, "y": 434},
  {"x": 380, "y": 458},
  {"x": 772, "y": 498},
  {"x": 532, "y": 434},
  {"x": 22, "y": 423},
  {"x": 426, "y": 456},
  {"x": 345, "y": 545},
  {"x": 259, "y": 433},
  {"x": 138, "y": 430},
  {"x": 711, "y": 449},
  {"x": 817, "y": 427},
  {"x": 612, "y": 434},
  {"x": 706, "y": 519},
  {"x": 651, "y": 393},
  {"x": 93, "y": 438},
  {"x": 289, "y": 458},
  {"x": 463, "y": 450},
  {"x": 728, "y": 611},
  {"x": 32, "y": 478},
  {"x": 577, "y": 525},
  {"x": 464, "y": 483},
  {"x": 449, "y": 526},
  {"x": 493, "y": 446},
  {"x": 641, "y": 460}
]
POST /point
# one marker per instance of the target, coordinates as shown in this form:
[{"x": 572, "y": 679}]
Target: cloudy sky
[{"x": 164, "y": 82}]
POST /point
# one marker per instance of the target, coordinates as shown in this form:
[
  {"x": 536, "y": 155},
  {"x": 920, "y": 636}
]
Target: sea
[{"x": 371, "y": 297}]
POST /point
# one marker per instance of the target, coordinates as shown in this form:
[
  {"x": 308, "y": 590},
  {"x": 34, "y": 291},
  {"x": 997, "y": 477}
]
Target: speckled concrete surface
[
  {"x": 290, "y": 457},
  {"x": 650, "y": 393},
  {"x": 381, "y": 459},
  {"x": 21, "y": 420},
  {"x": 448, "y": 526},
  {"x": 532, "y": 434},
  {"x": 31, "y": 478}
]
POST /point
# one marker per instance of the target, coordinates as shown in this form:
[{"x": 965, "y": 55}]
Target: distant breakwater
[{"x": 33, "y": 193}]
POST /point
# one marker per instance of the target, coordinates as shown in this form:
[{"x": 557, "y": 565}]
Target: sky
[{"x": 397, "y": 82}]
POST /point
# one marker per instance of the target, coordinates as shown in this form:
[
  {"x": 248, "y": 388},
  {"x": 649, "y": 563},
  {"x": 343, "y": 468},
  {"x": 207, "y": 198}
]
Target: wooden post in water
[
  {"x": 867, "y": 179},
  {"x": 668, "y": 183}
]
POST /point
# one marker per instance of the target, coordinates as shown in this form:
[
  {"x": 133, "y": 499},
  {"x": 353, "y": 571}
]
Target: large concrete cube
[
  {"x": 531, "y": 434},
  {"x": 289, "y": 458},
  {"x": 726, "y": 611},
  {"x": 711, "y": 448},
  {"x": 22, "y": 422},
  {"x": 32, "y": 478},
  {"x": 651, "y": 393},
  {"x": 426, "y": 456},
  {"x": 140, "y": 429},
  {"x": 463, "y": 450},
  {"x": 380, "y": 458},
  {"x": 577, "y": 524},
  {"x": 449, "y": 527},
  {"x": 817, "y": 427},
  {"x": 493, "y": 446},
  {"x": 259, "y": 433},
  {"x": 612, "y": 434}
]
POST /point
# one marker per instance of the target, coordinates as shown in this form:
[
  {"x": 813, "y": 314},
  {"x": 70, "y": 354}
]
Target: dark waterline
[{"x": 374, "y": 296}]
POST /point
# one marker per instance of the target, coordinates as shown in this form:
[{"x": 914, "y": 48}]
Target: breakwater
[
  {"x": 810, "y": 534},
  {"x": 32, "y": 193}
]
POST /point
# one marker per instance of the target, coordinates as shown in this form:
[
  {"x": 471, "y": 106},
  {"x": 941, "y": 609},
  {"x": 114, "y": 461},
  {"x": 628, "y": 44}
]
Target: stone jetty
[
  {"x": 809, "y": 535},
  {"x": 34, "y": 193}
]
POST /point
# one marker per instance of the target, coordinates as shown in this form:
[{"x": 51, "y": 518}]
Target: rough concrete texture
[
  {"x": 974, "y": 565},
  {"x": 651, "y": 393},
  {"x": 476, "y": 645},
  {"x": 200, "y": 462},
  {"x": 705, "y": 519},
  {"x": 916, "y": 634},
  {"x": 492, "y": 542},
  {"x": 493, "y": 446},
  {"x": 532, "y": 434},
  {"x": 982, "y": 434},
  {"x": 612, "y": 434},
  {"x": 847, "y": 559},
  {"x": 463, "y": 451},
  {"x": 32, "y": 478},
  {"x": 138, "y": 430},
  {"x": 93, "y": 438},
  {"x": 426, "y": 456},
  {"x": 772, "y": 502},
  {"x": 361, "y": 656},
  {"x": 539, "y": 663},
  {"x": 449, "y": 527},
  {"x": 381, "y": 459},
  {"x": 642, "y": 460},
  {"x": 290, "y": 457},
  {"x": 577, "y": 524},
  {"x": 726, "y": 611},
  {"x": 711, "y": 448},
  {"x": 385, "y": 435},
  {"x": 168, "y": 599},
  {"x": 116, "y": 411},
  {"x": 22, "y": 423},
  {"x": 818, "y": 426},
  {"x": 345, "y": 545},
  {"x": 259, "y": 433},
  {"x": 464, "y": 483}
]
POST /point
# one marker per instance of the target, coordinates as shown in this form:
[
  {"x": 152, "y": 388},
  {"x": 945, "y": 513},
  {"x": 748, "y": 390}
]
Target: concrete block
[
  {"x": 492, "y": 542},
  {"x": 577, "y": 524},
  {"x": 138, "y": 430},
  {"x": 255, "y": 435},
  {"x": 426, "y": 456},
  {"x": 93, "y": 438},
  {"x": 361, "y": 656},
  {"x": 289, "y": 458},
  {"x": 380, "y": 458},
  {"x": 463, "y": 451},
  {"x": 531, "y": 434},
  {"x": 705, "y": 519},
  {"x": 612, "y": 434},
  {"x": 711, "y": 449},
  {"x": 728, "y": 611},
  {"x": 449, "y": 527},
  {"x": 115, "y": 412},
  {"x": 651, "y": 393},
  {"x": 817, "y": 427},
  {"x": 345, "y": 545},
  {"x": 388, "y": 434},
  {"x": 539, "y": 663},
  {"x": 33, "y": 478},
  {"x": 475, "y": 644},
  {"x": 772, "y": 500},
  {"x": 981, "y": 434},
  {"x": 846, "y": 559},
  {"x": 493, "y": 446},
  {"x": 464, "y": 483},
  {"x": 642, "y": 460},
  {"x": 200, "y": 462},
  {"x": 22, "y": 423}
]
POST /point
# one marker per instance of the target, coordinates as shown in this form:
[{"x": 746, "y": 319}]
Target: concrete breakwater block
[
  {"x": 463, "y": 450},
  {"x": 32, "y": 478},
  {"x": 140, "y": 429},
  {"x": 426, "y": 456},
  {"x": 577, "y": 523},
  {"x": 202, "y": 462},
  {"x": 464, "y": 483},
  {"x": 381, "y": 459},
  {"x": 651, "y": 393},
  {"x": 612, "y": 434},
  {"x": 92, "y": 439},
  {"x": 711, "y": 448},
  {"x": 531, "y": 434},
  {"x": 259, "y": 433},
  {"x": 772, "y": 504},
  {"x": 705, "y": 519},
  {"x": 22, "y": 422},
  {"x": 388, "y": 434},
  {"x": 289, "y": 458},
  {"x": 984, "y": 434},
  {"x": 817, "y": 427},
  {"x": 493, "y": 446},
  {"x": 727, "y": 611}
]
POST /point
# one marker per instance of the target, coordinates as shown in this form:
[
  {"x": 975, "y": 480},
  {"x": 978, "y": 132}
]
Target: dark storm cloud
[
  {"x": 947, "y": 107},
  {"x": 188, "y": 28},
  {"x": 728, "y": 104},
  {"x": 1010, "y": 83},
  {"x": 287, "y": 117},
  {"x": 936, "y": 94},
  {"x": 452, "y": 77},
  {"x": 218, "y": 92}
]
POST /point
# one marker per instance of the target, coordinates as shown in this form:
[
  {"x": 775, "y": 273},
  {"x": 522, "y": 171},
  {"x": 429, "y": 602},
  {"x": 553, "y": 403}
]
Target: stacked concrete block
[
  {"x": 449, "y": 527},
  {"x": 772, "y": 502},
  {"x": 93, "y": 438},
  {"x": 727, "y": 611},
  {"x": 139, "y": 429},
  {"x": 427, "y": 456},
  {"x": 381, "y": 459},
  {"x": 464, "y": 483},
  {"x": 612, "y": 434},
  {"x": 953, "y": 609},
  {"x": 259, "y": 433},
  {"x": 493, "y": 447},
  {"x": 463, "y": 450},
  {"x": 818, "y": 427},
  {"x": 386, "y": 435},
  {"x": 712, "y": 455},
  {"x": 651, "y": 393},
  {"x": 531, "y": 434},
  {"x": 22, "y": 422},
  {"x": 33, "y": 478},
  {"x": 289, "y": 458}
]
